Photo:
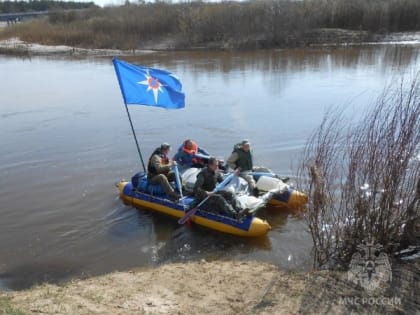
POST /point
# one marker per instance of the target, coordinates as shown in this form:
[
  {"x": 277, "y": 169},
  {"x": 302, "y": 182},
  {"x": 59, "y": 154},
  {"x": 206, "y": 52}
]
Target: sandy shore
[
  {"x": 19, "y": 47},
  {"x": 215, "y": 288}
]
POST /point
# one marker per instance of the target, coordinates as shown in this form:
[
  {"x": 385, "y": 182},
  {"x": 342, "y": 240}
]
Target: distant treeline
[
  {"x": 252, "y": 24},
  {"x": 41, "y": 5}
]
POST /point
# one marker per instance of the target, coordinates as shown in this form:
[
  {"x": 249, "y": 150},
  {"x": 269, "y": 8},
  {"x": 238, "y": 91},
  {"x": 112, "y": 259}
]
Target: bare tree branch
[{"x": 363, "y": 180}]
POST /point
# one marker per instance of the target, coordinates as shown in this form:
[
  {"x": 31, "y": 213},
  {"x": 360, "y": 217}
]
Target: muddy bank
[{"x": 217, "y": 288}]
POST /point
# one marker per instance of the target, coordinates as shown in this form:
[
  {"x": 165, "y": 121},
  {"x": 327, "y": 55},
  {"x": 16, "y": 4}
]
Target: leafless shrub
[
  {"x": 247, "y": 24},
  {"x": 363, "y": 179}
]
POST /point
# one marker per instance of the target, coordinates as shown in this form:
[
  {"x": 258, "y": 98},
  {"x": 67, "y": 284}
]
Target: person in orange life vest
[
  {"x": 159, "y": 170},
  {"x": 187, "y": 155}
]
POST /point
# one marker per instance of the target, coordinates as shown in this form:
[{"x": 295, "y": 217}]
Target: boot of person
[
  {"x": 243, "y": 213},
  {"x": 174, "y": 196}
]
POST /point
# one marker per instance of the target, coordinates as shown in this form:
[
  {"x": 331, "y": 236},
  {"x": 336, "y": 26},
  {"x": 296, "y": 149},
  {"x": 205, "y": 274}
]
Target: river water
[{"x": 65, "y": 140}]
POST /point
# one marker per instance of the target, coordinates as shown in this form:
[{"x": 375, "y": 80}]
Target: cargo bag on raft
[{"x": 141, "y": 183}]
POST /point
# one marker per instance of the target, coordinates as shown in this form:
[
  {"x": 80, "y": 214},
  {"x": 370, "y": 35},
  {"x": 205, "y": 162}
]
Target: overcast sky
[{"x": 119, "y": 2}]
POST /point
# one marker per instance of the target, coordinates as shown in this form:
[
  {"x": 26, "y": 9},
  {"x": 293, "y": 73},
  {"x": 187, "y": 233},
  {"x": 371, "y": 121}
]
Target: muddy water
[{"x": 65, "y": 140}]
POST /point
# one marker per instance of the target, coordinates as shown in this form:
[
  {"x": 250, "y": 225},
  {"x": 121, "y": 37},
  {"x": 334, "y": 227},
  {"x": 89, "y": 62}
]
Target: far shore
[{"x": 15, "y": 46}]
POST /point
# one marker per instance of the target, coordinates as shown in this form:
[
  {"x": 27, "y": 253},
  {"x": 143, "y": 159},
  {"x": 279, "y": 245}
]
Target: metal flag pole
[
  {"x": 128, "y": 76},
  {"x": 135, "y": 138},
  {"x": 114, "y": 61}
]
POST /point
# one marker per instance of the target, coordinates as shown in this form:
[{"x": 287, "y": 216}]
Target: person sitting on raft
[
  {"x": 222, "y": 202},
  {"x": 241, "y": 161},
  {"x": 159, "y": 170},
  {"x": 187, "y": 155}
]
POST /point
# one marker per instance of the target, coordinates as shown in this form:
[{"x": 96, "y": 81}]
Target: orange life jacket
[{"x": 193, "y": 150}]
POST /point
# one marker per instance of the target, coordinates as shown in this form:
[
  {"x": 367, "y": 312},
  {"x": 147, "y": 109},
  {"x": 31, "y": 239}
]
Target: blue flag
[{"x": 147, "y": 86}]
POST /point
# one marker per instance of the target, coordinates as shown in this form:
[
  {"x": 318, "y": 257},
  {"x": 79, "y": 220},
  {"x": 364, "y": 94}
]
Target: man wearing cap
[
  {"x": 159, "y": 170},
  {"x": 241, "y": 160},
  {"x": 222, "y": 202}
]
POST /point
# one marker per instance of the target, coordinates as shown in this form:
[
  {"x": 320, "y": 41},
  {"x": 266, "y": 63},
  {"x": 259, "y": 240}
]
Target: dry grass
[
  {"x": 7, "y": 309},
  {"x": 218, "y": 287},
  {"x": 252, "y": 24}
]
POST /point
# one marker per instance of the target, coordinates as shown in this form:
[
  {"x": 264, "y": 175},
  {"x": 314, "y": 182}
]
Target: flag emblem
[
  {"x": 152, "y": 84},
  {"x": 148, "y": 86}
]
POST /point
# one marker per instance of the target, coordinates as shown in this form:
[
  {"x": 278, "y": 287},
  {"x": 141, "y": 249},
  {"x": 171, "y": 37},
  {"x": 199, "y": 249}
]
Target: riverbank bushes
[
  {"x": 252, "y": 24},
  {"x": 363, "y": 179}
]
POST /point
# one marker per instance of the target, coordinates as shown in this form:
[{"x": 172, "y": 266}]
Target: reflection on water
[
  {"x": 65, "y": 141},
  {"x": 27, "y": 274},
  {"x": 204, "y": 63},
  {"x": 193, "y": 242}
]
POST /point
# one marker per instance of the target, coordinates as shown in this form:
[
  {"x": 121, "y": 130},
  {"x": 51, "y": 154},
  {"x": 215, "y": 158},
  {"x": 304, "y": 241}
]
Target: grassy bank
[
  {"x": 216, "y": 288},
  {"x": 6, "y": 308},
  {"x": 252, "y": 24}
]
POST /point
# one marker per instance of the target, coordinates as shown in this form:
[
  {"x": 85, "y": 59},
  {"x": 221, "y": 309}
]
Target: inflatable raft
[
  {"x": 247, "y": 226},
  {"x": 286, "y": 197},
  {"x": 140, "y": 193}
]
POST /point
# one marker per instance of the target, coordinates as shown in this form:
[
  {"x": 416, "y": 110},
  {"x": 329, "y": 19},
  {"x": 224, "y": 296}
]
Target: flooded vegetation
[
  {"x": 365, "y": 178},
  {"x": 226, "y": 25}
]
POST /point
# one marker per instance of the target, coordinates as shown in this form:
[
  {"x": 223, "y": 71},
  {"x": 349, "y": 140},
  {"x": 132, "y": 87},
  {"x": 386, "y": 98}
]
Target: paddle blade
[{"x": 188, "y": 215}]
